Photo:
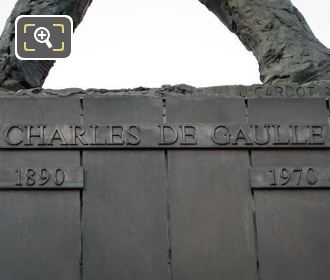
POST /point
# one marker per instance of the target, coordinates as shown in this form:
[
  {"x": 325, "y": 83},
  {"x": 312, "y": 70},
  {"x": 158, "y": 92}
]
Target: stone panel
[
  {"x": 125, "y": 227},
  {"x": 39, "y": 229},
  {"x": 292, "y": 225},
  {"x": 212, "y": 232},
  {"x": 211, "y": 215},
  {"x": 124, "y": 202},
  {"x": 287, "y": 111},
  {"x": 204, "y": 109}
]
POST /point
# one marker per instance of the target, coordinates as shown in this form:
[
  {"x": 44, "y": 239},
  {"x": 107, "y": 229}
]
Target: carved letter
[
  {"x": 40, "y": 134},
  {"x": 135, "y": 140},
  {"x": 11, "y": 136},
  {"x": 310, "y": 90},
  {"x": 94, "y": 137},
  {"x": 217, "y": 140},
  {"x": 317, "y": 135},
  {"x": 242, "y": 135},
  {"x": 173, "y": 137},
  {"x": 258, "y": 91},
  {"x": 279, "y": 90},
  {"x": 277, "y": 136},
  {"x": 188, "y": 138},
  {"x": 58, "y": 136},
  {"x": 116, "y": 135},
  {"x": 289, "y": 91},
  {"x": 300, "y": 91},
  {"x": 265, "y": 141},
  {"x": 79, "y": 135},
  {"x": 295, "y": 136}
]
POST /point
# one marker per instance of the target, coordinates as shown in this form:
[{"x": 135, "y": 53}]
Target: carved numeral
[
  {"x": 19, "y": 177},
  {"x": 292, "y": 176},
  {"x": 44, "y": 177},
  {"x": 311, "y": 176},
  {"x": 32, "y": 177},
  {"x": 59, "y": 177}
]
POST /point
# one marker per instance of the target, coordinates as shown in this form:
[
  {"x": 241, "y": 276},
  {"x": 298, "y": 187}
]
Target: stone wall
[{"x": 238, "y": 190}]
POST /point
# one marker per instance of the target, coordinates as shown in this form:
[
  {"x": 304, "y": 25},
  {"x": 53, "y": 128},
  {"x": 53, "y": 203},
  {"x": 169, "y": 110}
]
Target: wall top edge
[{"x": 320, "y": 89}]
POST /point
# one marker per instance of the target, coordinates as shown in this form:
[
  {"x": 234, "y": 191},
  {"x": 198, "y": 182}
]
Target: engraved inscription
[
  {"x": 213, "y": 135},
  {"x": 41, "y": 178},
  {"x": 290, "y": 177},
  {"x": 293, "y": 176},
  {"x": 32, "y": 177},
  {"x": 182, "y": 135},
  {"x": 284, "y": 91}
]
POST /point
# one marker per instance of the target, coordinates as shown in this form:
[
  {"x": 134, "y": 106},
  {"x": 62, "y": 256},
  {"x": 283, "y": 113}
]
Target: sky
[{"x": 127, "y": 44}]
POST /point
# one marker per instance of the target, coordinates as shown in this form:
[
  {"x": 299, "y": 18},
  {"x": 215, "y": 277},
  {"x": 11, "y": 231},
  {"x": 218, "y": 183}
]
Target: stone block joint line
[{"x": 81, "y": 197}]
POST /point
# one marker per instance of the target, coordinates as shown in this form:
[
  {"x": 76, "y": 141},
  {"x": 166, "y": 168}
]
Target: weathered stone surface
[
  {"x": 292, "y": 225},
  {"x": 279, "y": 37},
  {"x": 124, "y": 216},
  {"x": 39, "y": 229},
  {"x": 203, "y": 191},
  {"x": 16, "y": 74},
  {"x": 281, "y": 110},
  {"x": 160, "y": 213},
  {"x": 285, "y": 90}
]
